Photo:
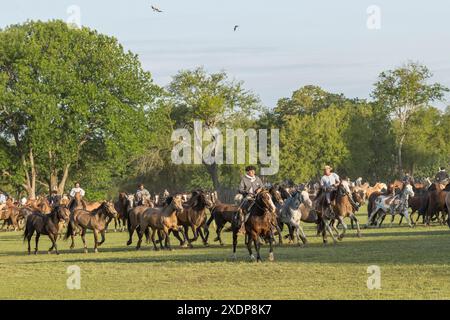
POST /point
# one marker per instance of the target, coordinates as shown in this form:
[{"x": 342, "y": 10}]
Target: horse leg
[
  {"x": 271, "y": 240},
  {"x": 218, "y": 231},
  {"x": 37, "y": 242},
  {"x": 29, "y": 236},
  {"x": 130, "y": 232},
  {"x": 328, "y": 228},
  {"x": 249, "y": 248},
  {"x": 334, "y": 227},
  {"x": 166, "y": 234},
  {"x": 153, "y": 240},
  {"x": 177, "y": 235},
  {"x": 344, "y": 226},
  {"x": 204, "y": 238},
  {"x": 83, "y": 237},
  {"x": 408, "y": 220},
  {"x": 140, "y": 234},
  {"x": 102, "y": 234},
  {"x": 235, "y": 237},
  {"x": 53, "y": 240},
  {"x": 280, "y": 236},
  {"x": 257, "y": 243},
  {"x": 358, "y": 229}
]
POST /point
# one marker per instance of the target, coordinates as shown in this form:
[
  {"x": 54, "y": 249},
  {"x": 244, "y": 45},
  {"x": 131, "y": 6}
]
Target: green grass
[{"x": 415, "y": 264}]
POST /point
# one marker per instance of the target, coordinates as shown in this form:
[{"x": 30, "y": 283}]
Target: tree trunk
[
  {"x": 62, "y": 184},
  {"x": 213, "y": 171},
  {"x": 400, "y": 162},
  {"x": 30, "y": 175}
]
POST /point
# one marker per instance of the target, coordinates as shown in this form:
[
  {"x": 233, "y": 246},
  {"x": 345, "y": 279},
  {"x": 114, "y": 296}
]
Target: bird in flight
[
  {"x": 236, "y": 27},
  {"x": 156, "y": 9}
]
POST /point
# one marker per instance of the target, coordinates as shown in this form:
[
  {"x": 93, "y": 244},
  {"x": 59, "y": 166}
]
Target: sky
[{"x": 279, "y": 46}]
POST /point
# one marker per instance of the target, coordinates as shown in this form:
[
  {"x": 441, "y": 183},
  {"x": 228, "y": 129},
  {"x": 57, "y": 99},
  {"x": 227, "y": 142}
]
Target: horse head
[{"x": 264, "y": 201}]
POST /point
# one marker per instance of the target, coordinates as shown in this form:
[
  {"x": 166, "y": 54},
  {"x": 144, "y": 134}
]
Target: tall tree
[
  {"x": 403, "y": 92},
  {"x": 69, "y": 96},
  {"x": 213, "y": 99}
]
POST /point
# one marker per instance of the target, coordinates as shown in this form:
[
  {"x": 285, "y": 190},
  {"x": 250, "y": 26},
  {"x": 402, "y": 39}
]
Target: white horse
[
  {"x": 397, "y": 204},
  {"x": 291, "y": 214}
]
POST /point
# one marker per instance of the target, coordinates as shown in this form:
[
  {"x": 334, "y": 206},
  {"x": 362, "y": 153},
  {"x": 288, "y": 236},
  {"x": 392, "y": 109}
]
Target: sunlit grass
[{"x": 415, "y": 264}]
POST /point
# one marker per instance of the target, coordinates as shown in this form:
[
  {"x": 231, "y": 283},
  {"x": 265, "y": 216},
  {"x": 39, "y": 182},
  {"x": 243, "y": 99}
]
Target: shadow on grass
[{"x": 428, "y": 250}]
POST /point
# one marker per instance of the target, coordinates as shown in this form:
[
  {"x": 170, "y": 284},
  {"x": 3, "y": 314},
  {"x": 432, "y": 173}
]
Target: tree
[
  {"x": 70, "y": 98},
  {"x": 213, "y": 99},
  {"x": 308, "y": 142},
  {"x": 403, "y": 92}
]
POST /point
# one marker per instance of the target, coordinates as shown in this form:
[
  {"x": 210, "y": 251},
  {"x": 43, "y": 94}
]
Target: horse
[
  {"x": 392, "y": 204},
  {"x": 47, "y": 224},
  {"x": 10, "y": 215},
  {"x": 291, "y": 213},
  {"x": 436, "y": 203},
  {"x": 96, "y": 220},
  {"x": 161, "y": 219},
  {"x": 78, "y": 202},
  {"x": 222, "y": 213},
  {"x": 342, "y": 208},
  {"x": 193, "y": 216},
  {"x": 123, "y": 205},
  {"x": 260, "y": 224}
]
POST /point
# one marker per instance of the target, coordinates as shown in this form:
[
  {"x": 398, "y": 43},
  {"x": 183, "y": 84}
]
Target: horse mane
[
  {"x": 447, "y": 188},
  {"x": 201, "y": 202}
]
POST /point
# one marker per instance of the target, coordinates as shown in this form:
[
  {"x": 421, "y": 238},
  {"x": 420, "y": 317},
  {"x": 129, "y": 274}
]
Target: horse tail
[
  {"x": 69, "y": 231},
  {"x": 25, "y": 232}
]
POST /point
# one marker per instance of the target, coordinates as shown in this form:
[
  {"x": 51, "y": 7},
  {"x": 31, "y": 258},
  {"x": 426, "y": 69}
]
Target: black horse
[{"x": 47, "y": 224}]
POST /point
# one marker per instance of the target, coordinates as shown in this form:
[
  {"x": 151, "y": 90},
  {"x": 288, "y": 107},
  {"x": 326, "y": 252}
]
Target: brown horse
[
  {"x": 78, "y": 202},
  {"x": 436, "y": 203},
  {"x": 96, "y": 220},
  {"x": 47, "y": 224},
  {"x": 260, "y": 224},
  {"x": 123, "y": 205},
  {"x": 342, "y": 209},
  {"x": 162, "y": 220},
  {"x": 10, "y": 215},
  {"x": 222, "y": 214},
  {"x": 193, "y": 216}
]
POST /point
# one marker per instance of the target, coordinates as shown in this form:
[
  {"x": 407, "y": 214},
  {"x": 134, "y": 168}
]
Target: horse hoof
[
  {"x": 259, "y": 261},
  {"x": 216, "y": 239},
  {"x": 95, "y": 251},
  {"x": 206, "y": 244},
  {"x": 222, "y": 244},
  {"x": 271, "y": 257},
  {"x": 85, "y": 250},
  {"x": 252, "y": 258},
  {"x": 233, "y": 257},
  {"x": 129, "y": 242}
]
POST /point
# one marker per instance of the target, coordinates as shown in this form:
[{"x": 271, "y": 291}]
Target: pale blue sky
[{"x": 280, "y": 46}]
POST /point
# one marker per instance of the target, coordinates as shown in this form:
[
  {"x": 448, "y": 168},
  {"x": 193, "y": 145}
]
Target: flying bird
[
  {"x": 235, "y": 28},
  {"x": 156, "y": 9}
]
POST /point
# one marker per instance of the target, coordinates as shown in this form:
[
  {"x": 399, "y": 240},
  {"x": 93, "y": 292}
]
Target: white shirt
[
  {"x": 76, "y": 190},
  {"x": 329, "y": 181},
  {"x": 2, "y": 198}
]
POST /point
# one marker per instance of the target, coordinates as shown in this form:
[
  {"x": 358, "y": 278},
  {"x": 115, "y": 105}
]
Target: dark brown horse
[
  {"x": 222, "y": 214},
  {"x": 260, "y": 224},
  {"x": 436, "y": 204},
  {"x": 96, "y": 220},
  {"x": 123, "y": 205},
  {"x": 47, "y": 224},
  {"x": 193, "y": 216}
]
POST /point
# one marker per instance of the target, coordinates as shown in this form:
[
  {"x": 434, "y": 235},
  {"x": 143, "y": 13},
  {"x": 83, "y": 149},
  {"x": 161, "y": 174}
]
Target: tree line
[{"x": 76, "y": 106}]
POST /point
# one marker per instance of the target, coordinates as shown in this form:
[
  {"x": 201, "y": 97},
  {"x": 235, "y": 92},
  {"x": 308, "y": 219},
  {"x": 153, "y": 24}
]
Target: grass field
[{"x": 415, "y": 264}]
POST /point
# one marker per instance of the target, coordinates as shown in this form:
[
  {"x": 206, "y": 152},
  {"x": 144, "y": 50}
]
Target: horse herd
[{"x": 192, "y": 214}]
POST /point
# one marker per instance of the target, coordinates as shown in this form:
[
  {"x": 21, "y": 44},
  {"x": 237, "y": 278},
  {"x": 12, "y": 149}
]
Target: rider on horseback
[
  {"x": 329, "y": 182},
  {"x": 249, "y": 187},
  {"x": 141, "y": 195},
  {"x": 77, "y": 189}
]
